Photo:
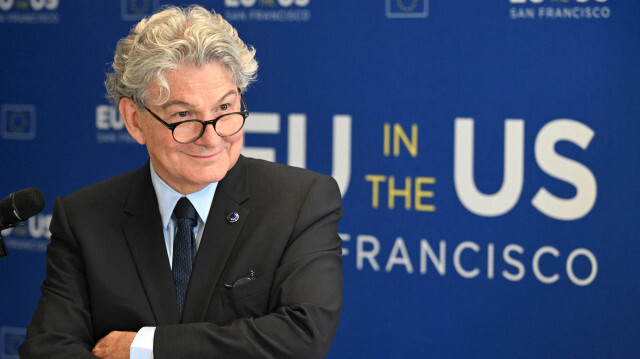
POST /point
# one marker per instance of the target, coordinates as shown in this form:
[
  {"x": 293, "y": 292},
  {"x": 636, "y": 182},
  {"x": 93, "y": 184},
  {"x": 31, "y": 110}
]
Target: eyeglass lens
[{"x": 226, "y": 125}]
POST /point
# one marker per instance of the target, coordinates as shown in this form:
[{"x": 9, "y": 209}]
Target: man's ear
[{"x": 132, "y": 116}]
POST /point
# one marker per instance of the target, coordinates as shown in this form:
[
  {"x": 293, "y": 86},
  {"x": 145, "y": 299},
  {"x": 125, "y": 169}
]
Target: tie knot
[{"x": 185, "y": 210}]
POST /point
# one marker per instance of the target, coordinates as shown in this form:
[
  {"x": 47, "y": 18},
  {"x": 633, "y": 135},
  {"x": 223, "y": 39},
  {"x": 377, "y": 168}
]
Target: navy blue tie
[{"x": 184, "y": 249}]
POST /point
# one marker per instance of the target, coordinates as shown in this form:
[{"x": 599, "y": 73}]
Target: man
[{"x": 201, "y": 253}]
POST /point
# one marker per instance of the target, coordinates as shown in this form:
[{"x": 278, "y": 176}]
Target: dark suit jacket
[{"x": 107, "y": 269}]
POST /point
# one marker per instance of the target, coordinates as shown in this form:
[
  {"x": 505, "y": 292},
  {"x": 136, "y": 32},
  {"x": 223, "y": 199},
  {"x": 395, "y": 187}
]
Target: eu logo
[
  {"x": 10, "y": 339},
  {"x": 134, "y": 10},
  {"x": 18, "y": 122},
  {"x": 407, "y": 8}
]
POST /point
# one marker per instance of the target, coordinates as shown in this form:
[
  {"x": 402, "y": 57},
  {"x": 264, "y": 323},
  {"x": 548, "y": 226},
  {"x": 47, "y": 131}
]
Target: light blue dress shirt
[{"x": 142, "y": 346}]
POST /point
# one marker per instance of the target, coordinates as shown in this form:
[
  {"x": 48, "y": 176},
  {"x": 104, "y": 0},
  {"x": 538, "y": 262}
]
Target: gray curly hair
[{"x": 169, "y": 39}]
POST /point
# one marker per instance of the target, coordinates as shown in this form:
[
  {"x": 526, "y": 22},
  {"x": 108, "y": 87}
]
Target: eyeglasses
[{"x": 189, "y": 131}]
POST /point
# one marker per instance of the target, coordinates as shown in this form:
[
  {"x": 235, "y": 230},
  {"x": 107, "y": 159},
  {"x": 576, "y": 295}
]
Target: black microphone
[{"x": 17, "y": 208}]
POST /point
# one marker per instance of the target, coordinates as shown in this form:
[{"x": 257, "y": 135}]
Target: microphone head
[{"x": 20, "y": 205}]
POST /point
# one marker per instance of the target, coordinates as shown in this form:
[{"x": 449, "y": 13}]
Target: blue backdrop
[{"x": 487, "y": 154}]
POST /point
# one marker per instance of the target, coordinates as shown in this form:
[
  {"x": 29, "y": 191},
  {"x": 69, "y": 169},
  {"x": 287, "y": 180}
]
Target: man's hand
[{"x": 115, "y": 345}]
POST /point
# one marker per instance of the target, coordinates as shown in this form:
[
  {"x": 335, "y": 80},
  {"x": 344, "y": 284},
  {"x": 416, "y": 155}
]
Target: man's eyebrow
[
  {"x": 176, "y": 102},
  {"x": 231, "y": 92},
  {"x": 186, "y": 104}
]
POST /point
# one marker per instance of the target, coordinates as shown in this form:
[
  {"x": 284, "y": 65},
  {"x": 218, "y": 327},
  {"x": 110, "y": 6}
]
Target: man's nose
[{"x": 209, "y": 136}]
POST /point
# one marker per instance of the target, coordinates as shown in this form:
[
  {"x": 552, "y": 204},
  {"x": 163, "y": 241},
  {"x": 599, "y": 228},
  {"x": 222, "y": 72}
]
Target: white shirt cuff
[{"x": 142, "y": 346}]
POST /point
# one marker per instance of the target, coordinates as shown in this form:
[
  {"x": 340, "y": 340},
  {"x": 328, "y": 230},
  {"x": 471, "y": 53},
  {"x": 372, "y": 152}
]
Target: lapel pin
[{"x": 233, "y": 217}]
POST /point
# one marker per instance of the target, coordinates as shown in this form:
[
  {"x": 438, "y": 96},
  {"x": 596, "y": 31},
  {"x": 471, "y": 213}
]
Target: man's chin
[{"x": 215, "y": 176}]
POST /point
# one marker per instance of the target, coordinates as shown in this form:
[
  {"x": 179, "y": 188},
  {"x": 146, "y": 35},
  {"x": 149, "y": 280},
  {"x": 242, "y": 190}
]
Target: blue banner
[{"x": 486, "y": 152}]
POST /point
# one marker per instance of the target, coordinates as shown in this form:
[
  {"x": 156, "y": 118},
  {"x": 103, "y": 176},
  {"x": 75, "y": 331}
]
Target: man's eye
[
  {"x": 183, "y": 114},
  {"x": 224, "y": 107}
]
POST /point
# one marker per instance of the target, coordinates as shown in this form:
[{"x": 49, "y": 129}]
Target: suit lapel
[
  {"x": 143, "y": 231},
  {"x": 218, "y": 240}
]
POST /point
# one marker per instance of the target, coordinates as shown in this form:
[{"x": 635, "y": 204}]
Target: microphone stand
[{"x": 3, "y": 248}]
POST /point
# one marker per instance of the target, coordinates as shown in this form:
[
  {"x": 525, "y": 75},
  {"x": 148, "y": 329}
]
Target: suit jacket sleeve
[
  {"x": 91, "y": 286},
  {"x": 305, "y": 294},
  {"x": 61, "y": 326}
]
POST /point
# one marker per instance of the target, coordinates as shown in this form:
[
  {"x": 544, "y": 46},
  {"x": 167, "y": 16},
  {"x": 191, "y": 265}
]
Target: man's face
[{"x": 195, "y": 92}]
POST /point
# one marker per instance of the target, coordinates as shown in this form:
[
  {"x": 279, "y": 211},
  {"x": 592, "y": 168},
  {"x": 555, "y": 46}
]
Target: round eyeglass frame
[{"x": 172, "y": 126}]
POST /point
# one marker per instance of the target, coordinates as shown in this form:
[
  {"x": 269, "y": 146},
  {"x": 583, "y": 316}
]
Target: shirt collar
[{"x": 168, "y": 197}]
